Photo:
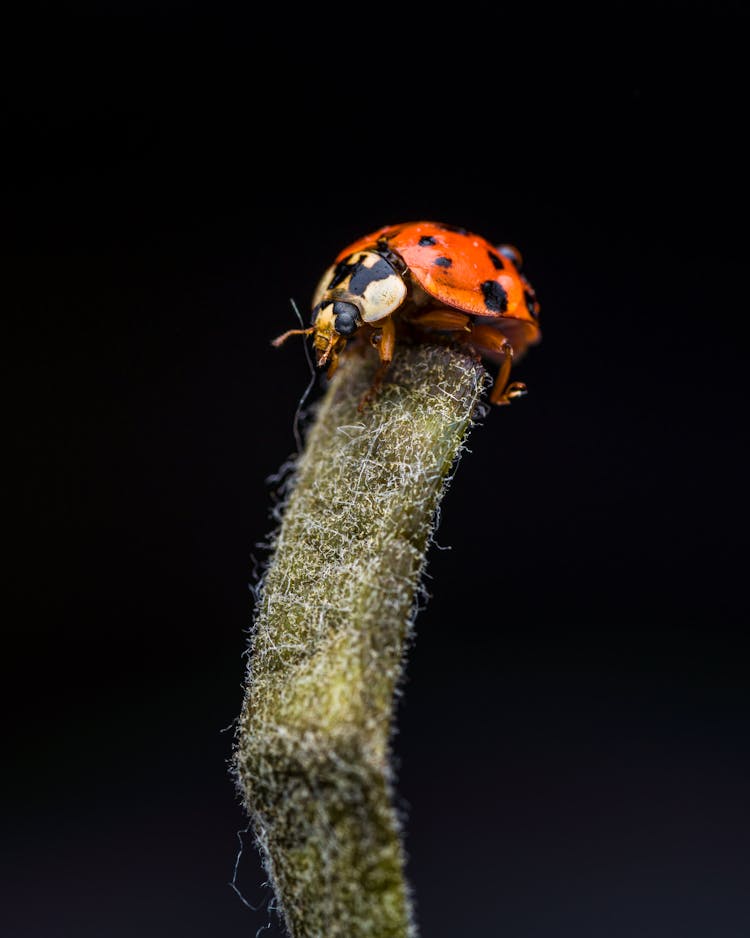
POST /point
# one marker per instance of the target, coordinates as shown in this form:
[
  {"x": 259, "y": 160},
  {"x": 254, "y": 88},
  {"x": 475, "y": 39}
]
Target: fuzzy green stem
[{"x": 335, "y": 610}]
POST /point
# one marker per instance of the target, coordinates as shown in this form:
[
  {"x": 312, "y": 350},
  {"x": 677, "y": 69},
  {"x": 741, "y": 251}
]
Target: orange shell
[{"x": 463, "y": 271}]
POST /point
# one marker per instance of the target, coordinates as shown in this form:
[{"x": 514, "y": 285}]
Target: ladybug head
[
  {"x": 333, "y": 323},
  {"x": 363, "y": 288}
]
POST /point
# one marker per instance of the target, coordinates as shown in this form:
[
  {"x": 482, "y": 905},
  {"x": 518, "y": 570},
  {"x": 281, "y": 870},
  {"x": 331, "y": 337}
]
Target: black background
[{"x": 573, "y": 742}]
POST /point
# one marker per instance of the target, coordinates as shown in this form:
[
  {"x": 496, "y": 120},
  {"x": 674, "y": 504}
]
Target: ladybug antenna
[
  {"x": 281, "y": 339},
  {"x": 310, "y": 383},
  {"x": 303, "y": 331}
]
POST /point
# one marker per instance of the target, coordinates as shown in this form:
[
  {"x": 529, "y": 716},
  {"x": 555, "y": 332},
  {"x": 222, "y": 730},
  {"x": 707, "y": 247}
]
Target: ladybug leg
[
  {"x": 385, "y": 342},
  {"x": 484, "y": 339},
  {"x": 487, "y": 339},
  {"x": 449, "y": 320},
  {"x": 502, "y": 392},
  {"x": 333, "y": 365}
]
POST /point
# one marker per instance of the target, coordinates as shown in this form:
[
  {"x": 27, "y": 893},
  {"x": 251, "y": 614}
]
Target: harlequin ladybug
[{"x": 429, "y": 281}]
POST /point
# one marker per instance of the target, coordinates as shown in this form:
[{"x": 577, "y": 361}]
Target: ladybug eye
[
  {"x": 513, "y": 254},
  {"x": 345, "y": 318}
]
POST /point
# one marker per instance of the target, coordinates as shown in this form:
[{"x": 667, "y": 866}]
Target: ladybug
[{"x": 426, "y": 281}]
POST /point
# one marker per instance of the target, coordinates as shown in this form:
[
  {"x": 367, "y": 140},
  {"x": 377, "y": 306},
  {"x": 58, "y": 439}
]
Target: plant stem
[{"x": 335, "y": 610}]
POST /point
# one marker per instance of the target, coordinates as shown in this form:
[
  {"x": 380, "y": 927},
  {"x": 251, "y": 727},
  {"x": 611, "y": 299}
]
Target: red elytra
[
  {"x": 432, "y": 282},
  {"x": 464, "y": 283}
]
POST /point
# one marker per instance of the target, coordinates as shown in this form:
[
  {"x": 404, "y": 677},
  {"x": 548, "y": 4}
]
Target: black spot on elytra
[
  {"x": 495, "y": 297},
  {"x": 426, "y": 240},
  {"x": 443, "y": 262},
  {"x": 497, "y": 261},
  {"x": 364, "y": 276},
  {"x": 531, "y": 303}
]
